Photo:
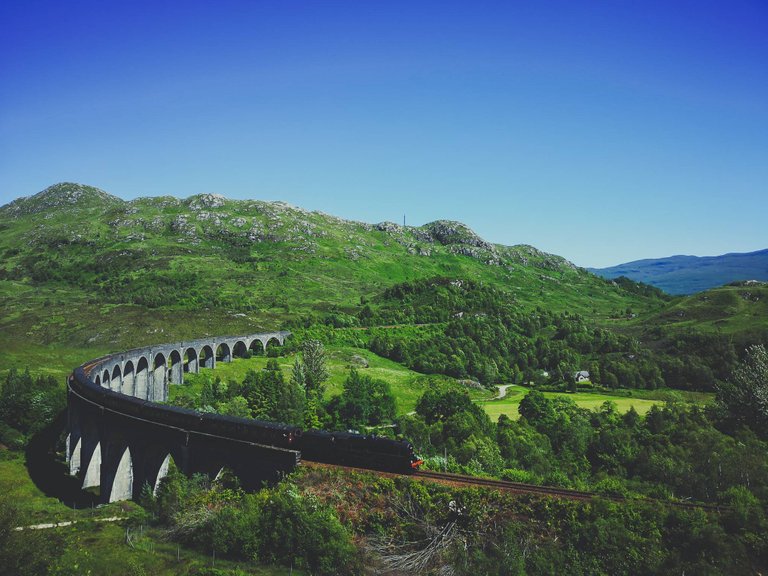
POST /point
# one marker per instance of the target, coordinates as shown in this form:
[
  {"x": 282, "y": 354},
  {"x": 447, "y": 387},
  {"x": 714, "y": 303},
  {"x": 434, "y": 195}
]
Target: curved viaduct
[{"x": 121, "y": 440}]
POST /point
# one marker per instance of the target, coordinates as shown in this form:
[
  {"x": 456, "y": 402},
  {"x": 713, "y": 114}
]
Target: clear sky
[{"x": 601, "y": 131}]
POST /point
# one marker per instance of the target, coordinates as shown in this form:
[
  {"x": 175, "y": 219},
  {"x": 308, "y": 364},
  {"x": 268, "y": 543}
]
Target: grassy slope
[
  {"x": 99, "y": 548},
  {"x": 300, "y": 264},
  {"x": 729, "y": 310},
  {"x": 76, "y": 273},
  {"x": 406, "y": 384},
  {"x": 510, "y": 403},
  {"x": 34, "y": 506},
  {"x": 258, "y": 266}
]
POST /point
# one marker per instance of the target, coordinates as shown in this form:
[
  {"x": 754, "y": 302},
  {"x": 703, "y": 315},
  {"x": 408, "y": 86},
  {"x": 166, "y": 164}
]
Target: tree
[
  {"x": 290, "y": 404},
  {"x": 212, "y": 393},
  {"x": 28, "y": 405},
  {"x": 297, "y": 374},
  {"x": 270, "y": 397},
  {"x": 437, "y": 405},
  {"x": 237, "y": 406},
  {"x": 536, "y": 408},
  {"x": 364, "y": 401},
  {"x": 745, "y": 394},
  {"x": 311, "y": 372}
]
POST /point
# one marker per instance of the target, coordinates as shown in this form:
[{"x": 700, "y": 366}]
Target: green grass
[
  {"x": 510, "y": 403},
  {"x": 728, "y": 310},
  {"x": 35, "y": 507},
  {"x": 407, "y": 385},
  {"x": 307, "y": 264}
]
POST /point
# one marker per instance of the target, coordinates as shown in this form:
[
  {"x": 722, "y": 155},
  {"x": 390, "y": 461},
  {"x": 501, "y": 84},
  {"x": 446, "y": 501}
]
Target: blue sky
[{"x": 601, "y": 131}]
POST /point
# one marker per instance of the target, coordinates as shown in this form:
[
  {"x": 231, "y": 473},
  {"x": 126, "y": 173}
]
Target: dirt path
[
  {"x": 67, "y": 523},
  {"x": 502, "y": 391}
]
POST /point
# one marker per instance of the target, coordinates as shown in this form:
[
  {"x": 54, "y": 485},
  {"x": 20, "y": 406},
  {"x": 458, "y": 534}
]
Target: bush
[
  {"x": 276, "y": 525},
  {"x": 517, "y": 475},
  {"x": 10, "y": 437}
]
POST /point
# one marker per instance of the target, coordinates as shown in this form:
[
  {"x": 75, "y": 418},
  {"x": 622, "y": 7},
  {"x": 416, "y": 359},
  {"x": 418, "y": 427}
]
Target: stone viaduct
[{"x": 121, "y": 440}]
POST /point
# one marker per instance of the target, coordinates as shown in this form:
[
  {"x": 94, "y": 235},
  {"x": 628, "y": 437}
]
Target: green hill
[
  {"x": 733, "y": 309},
  {"x": 84, "y": 272},
  {"x": 82, "y": 268}
]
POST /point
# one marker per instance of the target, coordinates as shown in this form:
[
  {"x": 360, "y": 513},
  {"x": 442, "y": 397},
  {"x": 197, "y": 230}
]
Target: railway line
[{"x": 465, "y": 481}]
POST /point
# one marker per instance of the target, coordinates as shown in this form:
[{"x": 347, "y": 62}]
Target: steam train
[{"x": 342, "y": 448}]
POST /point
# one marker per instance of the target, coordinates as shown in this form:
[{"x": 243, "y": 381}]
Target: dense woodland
[
  {"x": 465, "y": 329},
  {"x": 327, "y": 522},
  {"x": 336, "y": 523},
  {"x": 680, "y": 452},
  {"x": 330, "y": 523}
]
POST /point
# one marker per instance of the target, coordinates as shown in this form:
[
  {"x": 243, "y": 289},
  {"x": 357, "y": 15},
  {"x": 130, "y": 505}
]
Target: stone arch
[
  {"x": 256, "y": 347},
  {"x": 93, "y": 472},
  {"x": 74, "y": 459},
  {"x": 207, "y": 358},
  {"x": 128, "y": 375},
  {"x": 239, "y": 350},
  {"x": 270, "y": 339},
  {"x": 176, "y": 370},
  {"x": 223, "y": 353},
  {"x": 105, "y": 380},
  {"x": 116, "y": 383},
  {"x": 162, "y": 472},
  {"x": 122, "y": 485},
  {"x": 159, "y": 377},
  {"x": 191, "y": 363},
  {"x": 142, "y": 378}
]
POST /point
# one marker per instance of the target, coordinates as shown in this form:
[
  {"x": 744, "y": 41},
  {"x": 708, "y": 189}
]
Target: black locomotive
[
  {"x": 343, "y": 448},
  {"x": 349, "y": 449}
]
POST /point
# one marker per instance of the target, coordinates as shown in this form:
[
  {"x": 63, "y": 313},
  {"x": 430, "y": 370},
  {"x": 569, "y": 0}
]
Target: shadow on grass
[{"x": 49, "y": 472}]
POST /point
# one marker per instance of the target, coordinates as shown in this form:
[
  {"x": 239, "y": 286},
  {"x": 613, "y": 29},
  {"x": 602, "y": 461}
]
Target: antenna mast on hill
[{"x": 403, "y": 220}]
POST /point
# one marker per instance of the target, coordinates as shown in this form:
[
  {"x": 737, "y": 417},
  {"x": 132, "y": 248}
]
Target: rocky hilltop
[
  {"x": 62, "y": 196},
  {"x": 214, "y": 218}
]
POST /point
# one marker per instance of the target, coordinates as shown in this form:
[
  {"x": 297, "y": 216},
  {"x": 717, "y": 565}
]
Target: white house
[{"x": 581, "y": 376}]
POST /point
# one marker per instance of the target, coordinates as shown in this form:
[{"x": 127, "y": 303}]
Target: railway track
[
  {"x": 522, "y": 488},
  {"x": 507, "y": 486},
  {"x": 464, "y": 481}
]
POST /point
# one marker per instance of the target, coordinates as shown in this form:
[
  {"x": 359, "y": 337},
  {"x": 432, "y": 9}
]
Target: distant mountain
[{"x": 691, "y": 274}]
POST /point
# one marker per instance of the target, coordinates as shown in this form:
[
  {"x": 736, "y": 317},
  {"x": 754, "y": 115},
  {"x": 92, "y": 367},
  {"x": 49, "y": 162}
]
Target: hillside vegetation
[
  {"x": 85, "y": 269},
  {"x": 84, "y": 272}
]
